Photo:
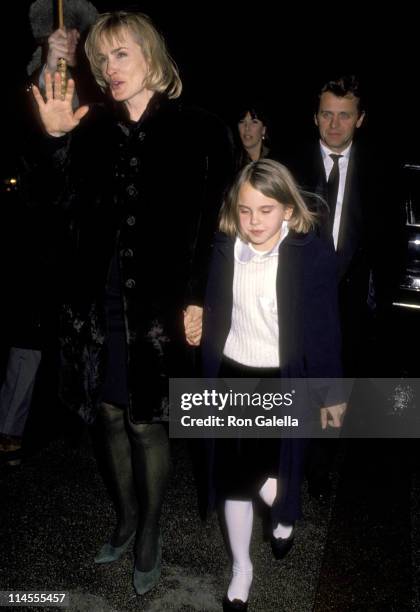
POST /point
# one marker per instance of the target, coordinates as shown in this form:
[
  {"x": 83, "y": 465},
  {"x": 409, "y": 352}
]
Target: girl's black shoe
[
  {"x": 281, "y": 546},
  {"x": 237, "y": 605}
]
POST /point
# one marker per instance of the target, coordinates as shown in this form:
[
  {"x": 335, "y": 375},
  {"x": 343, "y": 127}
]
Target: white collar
[
  {"x": 245, "y": 252},
  {"x": 326, "y": 152}
]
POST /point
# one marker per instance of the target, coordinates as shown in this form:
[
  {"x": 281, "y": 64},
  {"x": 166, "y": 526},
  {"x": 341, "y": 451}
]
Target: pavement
[{"x": 360, "y": 551}]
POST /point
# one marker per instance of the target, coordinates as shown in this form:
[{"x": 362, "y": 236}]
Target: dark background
[
  {"x": 228, "y": 52},
  {"x": 278, "y": 54}
]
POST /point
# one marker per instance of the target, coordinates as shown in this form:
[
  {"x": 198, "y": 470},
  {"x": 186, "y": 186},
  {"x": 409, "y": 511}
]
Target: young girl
[{"x": 270, "y": 311}]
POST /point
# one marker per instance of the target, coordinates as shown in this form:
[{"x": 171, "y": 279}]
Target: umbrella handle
[{"x": 62, "y": 64}]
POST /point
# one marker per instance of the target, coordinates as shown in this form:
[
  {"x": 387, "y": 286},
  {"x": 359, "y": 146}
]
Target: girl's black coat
[
  {"x": 149, "y": 193},
  {"x": 309, "y": 329},
  {"x": 309, "y": 333}
]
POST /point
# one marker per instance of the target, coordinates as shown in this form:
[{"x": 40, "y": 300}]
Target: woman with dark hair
[
  {"x": 253, "y": 132},
  {"x": 141, "y": 182}
]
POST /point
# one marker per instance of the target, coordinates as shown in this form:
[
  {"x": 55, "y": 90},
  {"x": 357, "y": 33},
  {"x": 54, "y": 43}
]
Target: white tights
[{"x": 239, "y": 518}]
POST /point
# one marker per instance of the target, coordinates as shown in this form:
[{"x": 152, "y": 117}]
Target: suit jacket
[
  {"x": 354, "y": 255},
  {"x": 369, "y": 236}
]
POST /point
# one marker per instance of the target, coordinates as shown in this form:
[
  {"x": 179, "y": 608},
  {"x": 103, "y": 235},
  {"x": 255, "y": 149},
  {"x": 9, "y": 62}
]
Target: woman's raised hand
[{"x": 56, "y": 110}]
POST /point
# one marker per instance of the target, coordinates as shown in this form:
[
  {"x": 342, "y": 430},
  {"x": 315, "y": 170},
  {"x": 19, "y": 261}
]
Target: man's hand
[
  {"x": 56, "y": 111},
  {"x": 62, "y": 44},
  {"x": 193, "y": 324},
  {"x": 332, "y": 416}
]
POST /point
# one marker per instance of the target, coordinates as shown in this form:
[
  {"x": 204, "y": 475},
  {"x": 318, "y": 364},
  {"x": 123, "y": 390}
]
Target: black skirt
[{"x": 242, "y": 465}]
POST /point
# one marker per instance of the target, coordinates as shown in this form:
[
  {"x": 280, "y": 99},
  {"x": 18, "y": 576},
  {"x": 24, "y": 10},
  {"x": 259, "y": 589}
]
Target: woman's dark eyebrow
[{"x": 113, "y": 51}]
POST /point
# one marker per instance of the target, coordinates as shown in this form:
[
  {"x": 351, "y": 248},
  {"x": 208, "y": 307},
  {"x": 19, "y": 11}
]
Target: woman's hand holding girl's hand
[
  {"x": 193, "y": 324},
  {"x": 333, "y": 416},
  {"x": 56, "y": 111}
]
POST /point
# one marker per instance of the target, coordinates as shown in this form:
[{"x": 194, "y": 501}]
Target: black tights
[{"x": 137, "y": 469}]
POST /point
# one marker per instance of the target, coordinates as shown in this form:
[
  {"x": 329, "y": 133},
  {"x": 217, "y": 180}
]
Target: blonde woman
[{"x": 141, "y": 181}]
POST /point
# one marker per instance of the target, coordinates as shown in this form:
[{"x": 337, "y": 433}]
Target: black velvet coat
[{"x": 148, "y": 193}]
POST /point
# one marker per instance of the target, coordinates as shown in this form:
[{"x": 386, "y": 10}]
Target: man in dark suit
[
  {"x": 355, "y": 183},
  {"x": 335, "y": 168}
]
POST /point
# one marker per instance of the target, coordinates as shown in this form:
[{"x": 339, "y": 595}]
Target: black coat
[
  {"x": 354, "y": 251},
  {"x": 369, "y": 241},
  {"x": 148, "y": 193},
  {"x": 309, "y": 335},
  {"x": 306, "y": 300}
]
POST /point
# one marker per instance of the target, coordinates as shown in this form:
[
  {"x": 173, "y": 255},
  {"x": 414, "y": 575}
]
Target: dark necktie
[{"x": 333, "y": 183}]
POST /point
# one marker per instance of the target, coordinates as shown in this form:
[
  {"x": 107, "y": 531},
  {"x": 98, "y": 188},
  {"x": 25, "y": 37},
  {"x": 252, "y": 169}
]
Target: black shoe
[
  {"x": 319, "y": 488},
  {"x": 281, "y": 546},
  {"x": 237, "y": 605}
]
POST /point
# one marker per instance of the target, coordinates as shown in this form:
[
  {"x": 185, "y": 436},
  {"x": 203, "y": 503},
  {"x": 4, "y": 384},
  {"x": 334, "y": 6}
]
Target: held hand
[
  {"x": 62, "y": 44},
  {"x": 332, "y": 416},
  {"x": 56, "y": 110},
  {"x": 193, "y": 324}
]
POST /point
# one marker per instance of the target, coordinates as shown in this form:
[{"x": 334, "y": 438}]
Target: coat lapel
[{"x": 351, "y": 224}]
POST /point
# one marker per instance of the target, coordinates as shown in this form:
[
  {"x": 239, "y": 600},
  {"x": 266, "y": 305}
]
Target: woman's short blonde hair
[
  {"x": 274, "y": 181},
  {"x": 163, "y": 73}
]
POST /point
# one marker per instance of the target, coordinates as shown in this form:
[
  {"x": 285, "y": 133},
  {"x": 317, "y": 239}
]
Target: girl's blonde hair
[
  {"x": 274, "y": 181},
  {"x": 163, "y": 73}
]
